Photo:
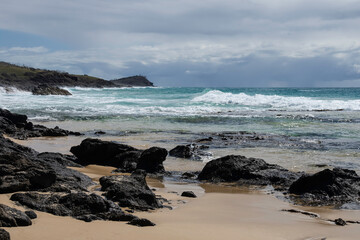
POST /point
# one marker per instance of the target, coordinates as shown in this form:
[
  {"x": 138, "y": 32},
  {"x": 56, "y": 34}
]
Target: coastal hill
[{"x": 27, "y": 79}]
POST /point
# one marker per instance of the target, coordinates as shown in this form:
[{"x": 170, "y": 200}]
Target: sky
[{"x": 209, "y": 43}]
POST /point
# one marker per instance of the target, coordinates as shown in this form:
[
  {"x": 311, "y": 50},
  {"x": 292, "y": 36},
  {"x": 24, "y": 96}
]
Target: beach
[
  {"x": 299, "y": 140},
  {"x": 220, "y": 211}
]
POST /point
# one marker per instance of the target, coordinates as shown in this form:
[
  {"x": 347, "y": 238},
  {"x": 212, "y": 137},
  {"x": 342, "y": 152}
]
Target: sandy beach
[{"x": 219, "y": 212}]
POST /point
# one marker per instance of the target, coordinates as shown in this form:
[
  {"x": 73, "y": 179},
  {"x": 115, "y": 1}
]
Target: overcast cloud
[{"x": 189, "y": 43}]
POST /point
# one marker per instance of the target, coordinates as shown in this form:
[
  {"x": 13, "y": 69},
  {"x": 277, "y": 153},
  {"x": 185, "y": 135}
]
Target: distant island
[{"x": 49, "y": 82}]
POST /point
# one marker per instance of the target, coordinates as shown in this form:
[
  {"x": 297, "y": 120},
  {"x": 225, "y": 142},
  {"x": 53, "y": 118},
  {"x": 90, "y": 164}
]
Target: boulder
[
  {"x": 248, "y": 171},
  {"x": 328, "y": 187},
  {"x": 151, "y": 160},
  {"x": 4, "y": 235},
  {"x": 130, "y": 191},
  {"x": 78, "y": 205},
  {"x": 11, "y": 217},
  {"x": 121, "y": 156},
  {"x": 96, "y": 151}
]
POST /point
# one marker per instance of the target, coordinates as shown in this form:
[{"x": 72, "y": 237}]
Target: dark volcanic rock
[
  {"x": 13, "y": 117},
  {"x": 190, "y": 151},
  {"x": 4, "y": 235},
  {"x": 124, "y": 157},
  {"x": 130, "y": 191},
  {"x": 151, "y": 160},
  {"x": 45, "y": 89},
  {"x": 328, "y": 187},
  {"x": 78, "y": 205},
  {"x": 189, "y": 194},
  {"x": 31, "y": 214},
  {"x": 96, "y": 151},
  {"x": 251, "y": 171},
  {"x": 16, "y": 126},
  {"x": 141, "y": 222},
  {"x": 22, "y": 169},
  {"x": 11, "y": 217}
]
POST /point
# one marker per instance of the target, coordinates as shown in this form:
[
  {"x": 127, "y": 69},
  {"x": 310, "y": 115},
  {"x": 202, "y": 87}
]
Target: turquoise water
[{"x": 321, "y": 113}]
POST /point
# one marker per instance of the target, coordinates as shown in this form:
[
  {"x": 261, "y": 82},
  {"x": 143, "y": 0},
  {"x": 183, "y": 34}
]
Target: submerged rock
[
  {"x": 328, "y": 187},
  {"x": 249, "y": 171},
  {"x": 130, "y": 191},
  {"x": 190, "y": 151},
  {"x": 78, "y": 205},
  {"x": 124, "y": 157},
  {"x": 11, "y": 217}
]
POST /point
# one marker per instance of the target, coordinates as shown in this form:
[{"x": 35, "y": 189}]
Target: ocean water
[{"x": 321, "y": 120}]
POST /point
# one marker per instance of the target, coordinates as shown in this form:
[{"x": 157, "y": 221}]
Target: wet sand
[{"x": 219, "y": 212}]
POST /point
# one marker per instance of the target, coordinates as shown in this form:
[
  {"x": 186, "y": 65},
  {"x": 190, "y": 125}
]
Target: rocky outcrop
[
  {"x": 45, "y": 89},
  {"x": 17, "y": 126},
  {"x": 78, "y": 205},
  {"x": 23, "y": 169},
  {"x": 328, "y": 187},
  {"x": 249, "y": 171},
  {"x": 190, "y": 151},
  {"x": 130, "y": 191},
  {"x": 141, "y": 222},
  {"x": 123, "y": 157},
  {"x": 133, "y": 81},
  {"x": 11, "y": 217}
]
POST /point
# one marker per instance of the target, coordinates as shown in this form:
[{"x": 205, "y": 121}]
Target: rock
[
  {"x": 45, "y": 89},
  {"x": 340, "y": 222},
  {"x": 124, "y": 157},
  {"x": 16, "y": 126},
  {"x": 182, "y": 151},
  {"x": 249, "y": 171},
  {"x": 190, "y": 151},
  {"x": 138, "y": 81},
  {"x": 141, "y": 222},
  {"x": 328, "y": 187},
  {"x": 64, "y": 160},
  {"x": 78, "y": 205},
  {"x": 100, "y": 132},
  {"x": 96, "y": 151},
  {"x": 4, "y": 235},
  {"x": 151, "y": 160},
  {"x": 11, "y": 217},
  {"x": 31, "y": 214},
  {"x": 130, "y": 191},
  {"x": 313, "y": 215},
  {"x": 189, "y": 194},
  {"x": 13, "y": 117},
  {"x": 23, "y": 169}
]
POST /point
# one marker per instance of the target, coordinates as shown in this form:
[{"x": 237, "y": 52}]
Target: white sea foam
[{"x": 276, "y": 101}]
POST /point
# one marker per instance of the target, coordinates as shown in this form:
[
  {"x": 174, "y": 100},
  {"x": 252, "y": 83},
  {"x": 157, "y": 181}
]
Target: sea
[{"x": 300, "y": 128}]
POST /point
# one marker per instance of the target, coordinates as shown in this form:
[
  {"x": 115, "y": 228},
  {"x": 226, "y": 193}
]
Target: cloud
[{"x": 183, "y": 42}]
